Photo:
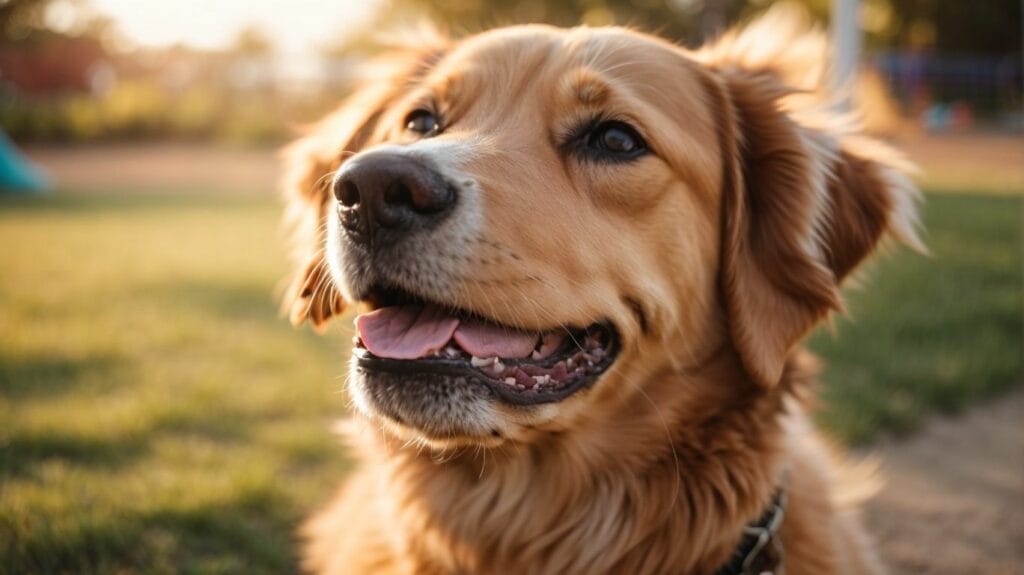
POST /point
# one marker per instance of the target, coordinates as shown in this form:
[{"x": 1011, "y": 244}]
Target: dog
[{"x": 584, "y": 260}]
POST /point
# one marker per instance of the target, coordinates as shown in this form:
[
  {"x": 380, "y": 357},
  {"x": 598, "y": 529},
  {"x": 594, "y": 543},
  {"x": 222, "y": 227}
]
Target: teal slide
[{"x": 17, "y": 174}]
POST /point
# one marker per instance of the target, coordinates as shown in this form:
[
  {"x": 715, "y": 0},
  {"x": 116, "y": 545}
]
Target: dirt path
[
  {"x": 160, "y": 167},
  {"x": 954, "y": 499},
  {"x": 967, "y": 162}
]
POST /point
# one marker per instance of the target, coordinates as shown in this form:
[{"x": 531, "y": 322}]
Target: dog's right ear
[
  {"x": 311, "y": 161},
  {"x": 805, "y": 198}
]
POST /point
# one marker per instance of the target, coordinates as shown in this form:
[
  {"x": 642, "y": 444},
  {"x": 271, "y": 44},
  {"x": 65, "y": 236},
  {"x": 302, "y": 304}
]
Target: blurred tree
[
  {"x": 39, "y": 22},
  {"x": 685, "y": 20},
  {"x": 252, "y": 42},
  {"x": 20, "y": 18},
  {"x": 945, "y": 26},
  {"x": 251, "y": 62},
  {"x": 992, "y": 26}
]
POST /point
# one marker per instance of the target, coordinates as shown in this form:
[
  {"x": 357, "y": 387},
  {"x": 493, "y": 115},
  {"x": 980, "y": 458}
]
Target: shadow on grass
[
  {"x": 221, "y": 426},
  {"x": 232, "y": 302},
  {"x": 242, "y": 535},
  {"x": 48, "y": 375},
  {"x": 22, "y": 454}
]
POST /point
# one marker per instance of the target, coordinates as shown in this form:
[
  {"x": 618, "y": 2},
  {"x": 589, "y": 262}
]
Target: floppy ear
[
  {"x": 310, "y": 163},
  {"x": 804, "y": 198},
  {"x": 803, "y": 203}
]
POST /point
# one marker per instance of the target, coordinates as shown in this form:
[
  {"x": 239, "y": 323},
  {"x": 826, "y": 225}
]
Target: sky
[{"x": 294, "y": 26}]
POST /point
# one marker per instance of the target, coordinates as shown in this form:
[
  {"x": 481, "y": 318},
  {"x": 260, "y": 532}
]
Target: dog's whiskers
[{"x": 320, "y": 181}]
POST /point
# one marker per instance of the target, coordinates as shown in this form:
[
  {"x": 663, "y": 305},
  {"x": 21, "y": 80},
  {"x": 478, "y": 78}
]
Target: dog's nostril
[
  {"x": 347, "y": 193},
  {"x": 398, "y": 194},
  {"x": 434, "y": 200},
  {"x": 420, "y": 197}
]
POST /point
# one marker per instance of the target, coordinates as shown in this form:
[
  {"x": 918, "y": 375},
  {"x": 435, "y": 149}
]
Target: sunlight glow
[{"x": 294, "y": 26}]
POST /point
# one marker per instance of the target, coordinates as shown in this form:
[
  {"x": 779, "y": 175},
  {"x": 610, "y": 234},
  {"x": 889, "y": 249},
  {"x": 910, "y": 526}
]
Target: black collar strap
[{"x": 760, "y": 551}]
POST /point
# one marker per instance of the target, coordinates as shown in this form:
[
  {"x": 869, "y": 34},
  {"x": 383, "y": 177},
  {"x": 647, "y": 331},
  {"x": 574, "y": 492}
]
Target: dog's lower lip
[{"x": 589, "y": 365}]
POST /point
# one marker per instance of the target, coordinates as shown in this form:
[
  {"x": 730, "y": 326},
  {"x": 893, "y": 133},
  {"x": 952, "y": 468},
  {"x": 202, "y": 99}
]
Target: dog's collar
[{"x": 760, "y": 551}]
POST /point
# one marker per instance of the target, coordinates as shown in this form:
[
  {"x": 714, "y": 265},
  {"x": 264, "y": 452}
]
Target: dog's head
[{"x": 538, "y": 220}]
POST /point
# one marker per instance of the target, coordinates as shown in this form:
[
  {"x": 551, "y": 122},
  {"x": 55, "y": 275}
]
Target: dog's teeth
[
  {"x": 481, "y": 361},
  {"x": 510, "y": 380},
  {"x": 559, "y": 372},
  {"x": 498, "y": 366},
  {"x": 570, "y": 364}
]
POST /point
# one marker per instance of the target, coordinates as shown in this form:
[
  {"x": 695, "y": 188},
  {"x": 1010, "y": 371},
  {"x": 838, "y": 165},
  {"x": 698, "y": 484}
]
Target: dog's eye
[
  {"x": 422, "y": 122},
  {"x": 615, "y": 140}
]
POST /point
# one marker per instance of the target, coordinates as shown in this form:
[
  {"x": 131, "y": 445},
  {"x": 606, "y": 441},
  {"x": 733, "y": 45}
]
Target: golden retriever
[{"x": 585, "y": 259}]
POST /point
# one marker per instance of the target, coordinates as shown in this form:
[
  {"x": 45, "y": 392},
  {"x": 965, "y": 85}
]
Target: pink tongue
[
  {"x": 485, "y": 340},
  {"x": 405, "y": 332},
  {"x": 412, "y": 331}
]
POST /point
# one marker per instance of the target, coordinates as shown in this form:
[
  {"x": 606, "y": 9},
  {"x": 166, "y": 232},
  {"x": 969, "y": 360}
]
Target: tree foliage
[
  {"x": 19, "y": 18},
  {"x": 943, "y": 26}
]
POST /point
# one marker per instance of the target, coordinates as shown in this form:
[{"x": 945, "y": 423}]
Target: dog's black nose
[{"x": 379, "y": 191}]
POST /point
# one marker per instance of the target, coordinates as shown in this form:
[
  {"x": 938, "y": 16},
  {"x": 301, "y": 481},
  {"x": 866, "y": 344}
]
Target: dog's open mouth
[{"x": 406, "y": 335}]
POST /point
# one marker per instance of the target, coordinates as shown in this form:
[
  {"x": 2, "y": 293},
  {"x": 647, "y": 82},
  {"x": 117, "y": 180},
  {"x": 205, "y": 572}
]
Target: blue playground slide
[{"x": 17, "y": 174}]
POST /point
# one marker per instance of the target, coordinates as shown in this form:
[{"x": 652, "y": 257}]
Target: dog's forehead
[{"x": 512, "y": 60}]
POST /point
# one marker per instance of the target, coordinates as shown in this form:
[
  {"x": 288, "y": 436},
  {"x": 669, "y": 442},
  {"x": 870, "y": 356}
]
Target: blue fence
[{"x": 990, "y": 85}]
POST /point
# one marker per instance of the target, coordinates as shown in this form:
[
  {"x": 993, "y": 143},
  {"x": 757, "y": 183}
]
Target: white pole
[{"x": 845, "y": 47}]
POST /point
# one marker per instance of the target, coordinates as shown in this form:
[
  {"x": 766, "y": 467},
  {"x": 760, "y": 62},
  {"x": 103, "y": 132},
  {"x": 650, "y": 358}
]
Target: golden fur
[{"x": 713, "y": 257}]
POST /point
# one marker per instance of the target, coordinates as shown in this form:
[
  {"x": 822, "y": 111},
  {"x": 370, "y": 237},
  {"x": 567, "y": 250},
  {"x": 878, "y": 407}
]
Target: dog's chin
[
  {"x": 430, "y": 407},
  {"x": 453, "y": 399}
]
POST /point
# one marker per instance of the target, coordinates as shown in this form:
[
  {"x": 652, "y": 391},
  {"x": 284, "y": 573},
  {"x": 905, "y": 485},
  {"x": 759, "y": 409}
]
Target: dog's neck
[{"x": 608, "y": 499}]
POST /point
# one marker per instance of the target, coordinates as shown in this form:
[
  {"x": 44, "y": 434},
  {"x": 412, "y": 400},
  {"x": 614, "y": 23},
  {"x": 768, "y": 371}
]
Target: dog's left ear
[{"x": 804, "y": 201}]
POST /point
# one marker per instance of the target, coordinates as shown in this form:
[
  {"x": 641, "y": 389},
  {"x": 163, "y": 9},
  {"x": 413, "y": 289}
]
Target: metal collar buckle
[
  {"x": 760, "y": 551},
  {"x": 765, "y": 557}
]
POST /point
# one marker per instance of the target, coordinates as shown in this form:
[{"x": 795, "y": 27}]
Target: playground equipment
[{"x": 17, "y": 173}]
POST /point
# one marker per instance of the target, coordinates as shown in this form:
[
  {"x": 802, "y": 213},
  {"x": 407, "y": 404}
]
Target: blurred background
[{"x": 158, "y": 416}]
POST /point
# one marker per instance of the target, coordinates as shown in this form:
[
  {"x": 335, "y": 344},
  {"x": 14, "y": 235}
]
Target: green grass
[
  {"x": 926, "y": 334},
  {"x": 158, "y": 416}
]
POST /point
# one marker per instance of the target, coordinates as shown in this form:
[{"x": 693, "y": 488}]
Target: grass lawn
[
  {"x": 933, "y": 333},
  {"x": 159, "y": 417}
]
